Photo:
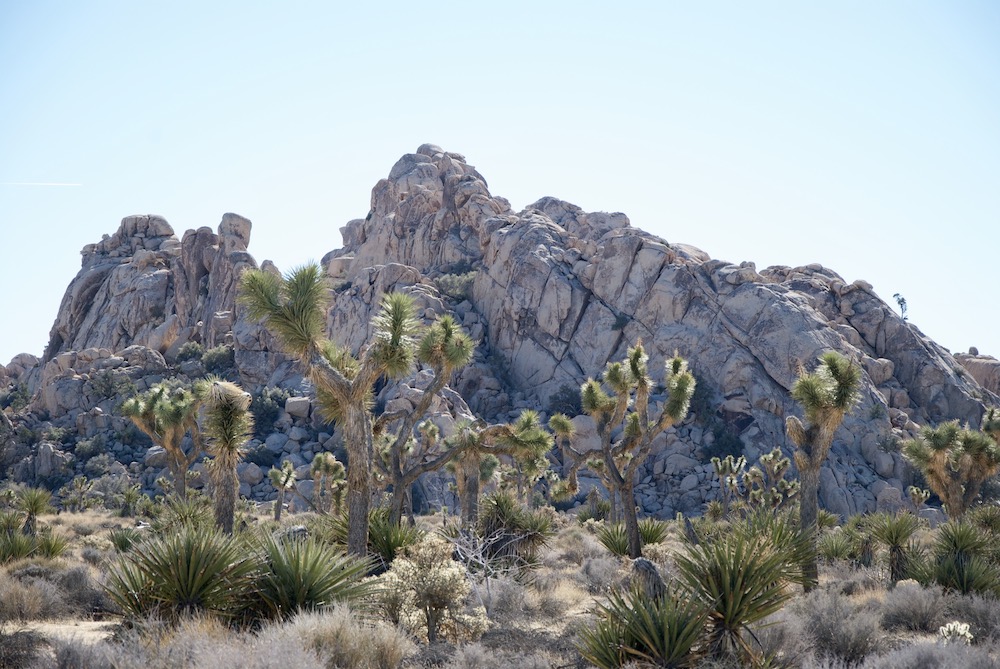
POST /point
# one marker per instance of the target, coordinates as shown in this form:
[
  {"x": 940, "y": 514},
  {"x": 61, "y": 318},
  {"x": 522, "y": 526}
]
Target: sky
[{"x": 864, "y": 136}]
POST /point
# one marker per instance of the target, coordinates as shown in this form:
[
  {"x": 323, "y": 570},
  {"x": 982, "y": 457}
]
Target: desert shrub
[
  {"x": 57, "y": 435},
  {"x": 566, "y": 401},
  {"x": 576, "y": 545},
  {"x": 597, "y": 508},
  {"x": 425, "y": 591},
  {"x": 191, "y": 350},
  {"x": 218, "y": 360},
  {"x": 15, "y": 398},
  {"x": 934, "y": 656},
  {"x": 341, "y": 639},
  {"x": 781, "y": 641},
  {"x": 108, "y": 384},
  {"x": 456, "y": 286},
  {"x": 507, "y": 537},
  {"x": 20, "y": 648},
  {"x": 81, "y": 591},
  {"x": 261, "y": 456},
  {"x": 635, "y": 628},
  {"x": 981, "y": 612},
  {"x": 911, "y": 607},
  {"x": 30, "y": 599},
  {"x": 88, "y": 448},
  {"x": 598, "y": 574},
  {"x": 266, "y": 407},
  {"x": 503, "y": 597},
  {"x": 177, "y": 513},
  {"x": 92, "y": 556},
  {"x": 837, "y": 628},
  {"x": 477, "y": 656},
  {"x": 99, "y": 465}
]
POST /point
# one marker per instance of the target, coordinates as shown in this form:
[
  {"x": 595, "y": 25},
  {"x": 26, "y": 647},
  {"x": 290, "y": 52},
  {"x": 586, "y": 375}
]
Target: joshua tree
[
  {"x": 228, "y": 424},
  {"x": 444, "y": 348},
  {"x": 282, "y": 478},
  {"x": 165, "y": 413},
  {"x": 294, "y": 309},
  {"x": 328, "y": 478},
  {"x": 621, "y": 454},
  {"x": 956, "y": 461},
  {"x": 826, "y": 395},
  {"x": 474, "y": 443}
]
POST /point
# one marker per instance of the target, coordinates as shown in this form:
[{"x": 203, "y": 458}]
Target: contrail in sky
[{"x": 33, "y": 183}]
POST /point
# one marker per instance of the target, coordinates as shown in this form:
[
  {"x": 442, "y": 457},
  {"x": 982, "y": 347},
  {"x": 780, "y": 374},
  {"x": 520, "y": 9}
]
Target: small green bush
[
  {"x": 266, "y": 407},
  {"x": 88, "y": 448},
  {"x": 456, "y": 286},
  {"x": 191, "y": 350},
  {"x": 218, "y": 360}
]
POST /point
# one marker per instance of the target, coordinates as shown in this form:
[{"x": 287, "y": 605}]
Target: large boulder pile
[{"x": 552, "y": 293}]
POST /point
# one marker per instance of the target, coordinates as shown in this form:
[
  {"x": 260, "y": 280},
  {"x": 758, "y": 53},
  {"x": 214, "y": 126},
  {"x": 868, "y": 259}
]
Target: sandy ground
[{"x": 87, "y": 631}]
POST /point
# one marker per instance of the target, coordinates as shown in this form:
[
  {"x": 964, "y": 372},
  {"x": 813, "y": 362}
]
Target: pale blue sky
[{"x": 861, "y": 135}]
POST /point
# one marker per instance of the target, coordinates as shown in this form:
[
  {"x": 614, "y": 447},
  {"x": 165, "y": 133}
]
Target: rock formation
[{"x": 552, "y": 293}]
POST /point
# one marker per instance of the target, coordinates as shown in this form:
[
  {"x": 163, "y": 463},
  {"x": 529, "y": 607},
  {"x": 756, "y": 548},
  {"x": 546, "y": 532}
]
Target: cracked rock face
[
  {"x": 552, "y": 293},
  {"x": 559, "y": 292}
]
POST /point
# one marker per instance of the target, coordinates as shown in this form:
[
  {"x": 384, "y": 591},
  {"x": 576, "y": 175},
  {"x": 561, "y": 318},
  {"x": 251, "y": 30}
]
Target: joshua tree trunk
[
  {"x": 469, "y": 471},
  {"x": 179, "y": 473},
  {"x": 278, "y": 503},
  {"x": 808, "y": 514},
  {"x": 357, "y": 437},
  {"x": 631, "y": 521},
  {"x": 226, "y": 491}
]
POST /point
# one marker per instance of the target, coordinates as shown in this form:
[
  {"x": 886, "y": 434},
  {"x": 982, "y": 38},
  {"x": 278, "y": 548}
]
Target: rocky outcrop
[
  {"x": 985, "y": 369},
  {"x": 143, "y": 286},
  {"x": 551, "y": 293},
  {"x": 559, "y": 292}
]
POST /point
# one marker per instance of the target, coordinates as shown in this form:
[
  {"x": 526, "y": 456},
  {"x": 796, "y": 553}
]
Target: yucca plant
[
  {"x": 514, "y": 533},
  {"x": 634, "y": 628},
  {"x": 51, "y": 545},
  {"x": 175, "y": 513},
  {"x": 652, "y": 531},
  {"x": 834, "y": 546},
  {"x": 10, "y": 522},
  {"x": 304, "y": 575},
  {"x": 16, "y": 546},
  {"x": 194, "y": 570},
  {"x": 894, "y": 531},
  {"x": 613, "y": 537},
  {"x": 743, "y": 577},
  {"x": 386, "y": 539},
  {"x": 986, "y": 516},
  {"x": 958, "y": 561},
  {"x": 122, "y": 538},
  {"x": 33, "y": 502}
]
